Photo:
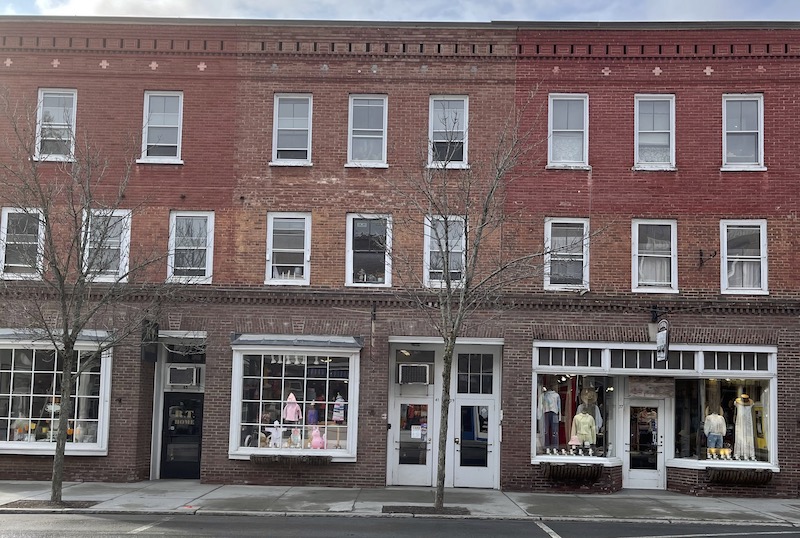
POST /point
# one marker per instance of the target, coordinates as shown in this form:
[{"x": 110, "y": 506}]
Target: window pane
[
  {"x": 291, "y": 139},
  {"x": 162, "y": 135},
  {"x": 655, "y": 239},
  {"x": 744, "y": 241},
  {"x": 742, "y": 148},
  {"x": 568, "y": 114},
  {"x": 568, "y": 147},
  {"x": 190, "y": 231},
  {"x": 367, "y": 149},
  {"x": 566, "y": 272}
]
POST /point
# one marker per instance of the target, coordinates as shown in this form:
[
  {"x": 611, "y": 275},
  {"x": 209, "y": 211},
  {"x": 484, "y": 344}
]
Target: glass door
[
  {"x": 474, "y": 443},
  {"x": 182, "y": 435},
  {"x": 644, "y": 460},
  {"x": 412, "y": 461}
]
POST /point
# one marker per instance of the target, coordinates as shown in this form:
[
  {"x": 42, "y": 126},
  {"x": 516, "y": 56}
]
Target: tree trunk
[
  {"x": 441, "y": 463},
  {"x": 56, "y": 486}
]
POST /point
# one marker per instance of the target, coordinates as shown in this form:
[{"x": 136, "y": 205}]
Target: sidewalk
[{"x": 191, "y": 497}]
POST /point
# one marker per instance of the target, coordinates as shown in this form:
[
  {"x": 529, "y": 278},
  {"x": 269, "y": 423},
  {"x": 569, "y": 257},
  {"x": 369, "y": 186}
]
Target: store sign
[
  {"x": 650, "y": 387},
  {"x": 662, "y": 340}
]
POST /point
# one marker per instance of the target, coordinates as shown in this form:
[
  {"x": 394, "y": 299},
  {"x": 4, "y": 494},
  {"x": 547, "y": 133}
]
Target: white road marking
[
  {"x": 550, "y": 532},
  {"x": 150, "y": 526},
  {"x": 722, "y": 534}
]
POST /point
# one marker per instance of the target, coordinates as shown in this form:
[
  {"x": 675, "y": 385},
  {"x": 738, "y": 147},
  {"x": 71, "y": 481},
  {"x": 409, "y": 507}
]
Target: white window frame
[
  {"x": 583, "y": 164},
  {"x": 440, "y": 283},
  {"x": 275, "y": 127},
  {"x": 638, "y": 164},
  {"x": 548, "y": 253},
  {"x": 761, "y": 224},
  {"x": 346, "y": 454},
  {"x": 209, "y": 247},
  {"x": 464, "y": 162},
  {"x": 349, "y": 281},
  {"x": 638, "y": 287},
  {"x": 121, "y": 274},
  {"x": 176, "y": 159},
  {"x": 39, "y": 268},
  {"x": 758, "y": 165},
  {"x": 306, "y": 279},
  {"x": 69, "y": 125},
  {"x": 38, "y": 448},
  {"x": 367, "y": 163}
]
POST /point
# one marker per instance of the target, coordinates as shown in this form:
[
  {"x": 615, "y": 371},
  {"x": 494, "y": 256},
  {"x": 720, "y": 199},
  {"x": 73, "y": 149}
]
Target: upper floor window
[
  {"x": 655, "y": 256},
  {"x": 369, "y": 242},
  {"x": 367, "y": 140},
  {"x": 743, "y": 131},
  {"x": 444, "y": 250},
  {"x": 566, "y": 259},
  {"x": 108, "y": 245},
  {"x": 291, "y": 134},
  {"x": 288, "y": 248},
  {"x": 744, "y": 256},
  {"x": 191, "y": 247},
  {"x": 568, "y": 134},
  {"x": 448, "y": 131},
  {"x": 55, "y": 125},
  {"x": 655, "y": 131},
  {"x": 21, "y": 244},
  {"x": 163, "y": 123}
]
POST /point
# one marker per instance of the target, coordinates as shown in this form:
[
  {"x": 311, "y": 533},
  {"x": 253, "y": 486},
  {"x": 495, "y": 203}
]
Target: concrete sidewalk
[{"x": 192, "y": 497}]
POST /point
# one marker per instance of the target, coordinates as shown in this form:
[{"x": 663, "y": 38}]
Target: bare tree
[
  {"x": 64, "y": 249},
  {"x": 463, "y": 211}
]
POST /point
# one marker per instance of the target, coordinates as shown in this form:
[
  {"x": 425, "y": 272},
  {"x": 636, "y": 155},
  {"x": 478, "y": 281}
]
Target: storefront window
[
  {"x": 294, "y": 401},
  {"x": 574, "y": 415},
  {"x": 722, "y": 419}
]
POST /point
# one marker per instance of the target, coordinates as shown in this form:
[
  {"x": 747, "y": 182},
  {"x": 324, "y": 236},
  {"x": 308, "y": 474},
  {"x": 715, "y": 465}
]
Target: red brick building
[{"x": 659, "y": 187}]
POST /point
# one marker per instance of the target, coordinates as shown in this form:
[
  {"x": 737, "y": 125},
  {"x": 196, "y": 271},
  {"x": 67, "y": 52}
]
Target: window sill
[
  {"x": 336, "y": 456},
  {"x": 654, "y": 289},
  {"x": 448, "y": 166},
  {"x": 580, "y": 460},
  {"x": 53, "y": 159},
  {"x": 189, "y": 280},
  {"x": 662, "y": 168},
  {"x": 300, "y": 164},
  {"x": 159, "y": 161},
  {"x": 365, "y": 165},
  {"x": 687, "y": 463},
  {"x": 278, "y": 282},
  {"x": 16, "y": 276},
  {"x": 368, "y": 284},
  {"x": 552, "y": 166},
  {"x": 23, "y": 448},
  {"x": 744, "y": 168},
  {"x": 734, "y": 291},
  {"x": 569, "y": 289}
]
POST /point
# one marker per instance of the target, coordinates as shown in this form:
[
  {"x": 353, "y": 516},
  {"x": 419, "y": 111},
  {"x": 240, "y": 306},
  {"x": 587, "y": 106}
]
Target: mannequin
[
  {"x": 714, "y": 428},
  {"x": 550, "y": 406},
  {"x": 744, "y": 446},
  {"x": 583, "y": 426},
  {"x": 291, "y": 410}
]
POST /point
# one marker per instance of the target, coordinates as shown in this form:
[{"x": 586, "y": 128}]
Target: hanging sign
[{"x": 662, "y": 340}]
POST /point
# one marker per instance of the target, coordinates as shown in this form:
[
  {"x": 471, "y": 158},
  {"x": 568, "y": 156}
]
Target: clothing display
[
  {"x": 551, "y": 402},
  {"x": 714, "y": 427},
  {"x": 291, "y": 410},
  {"x": 583, "y": 426},
  {"x": 744, "y": 440},
  {"x": 598, "y": 416},
  {"x": 338, "y": 409},
  {"x": 550, "y": 412}
]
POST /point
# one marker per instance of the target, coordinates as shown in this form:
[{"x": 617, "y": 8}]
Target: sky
[{"x": 421, "y": 10}]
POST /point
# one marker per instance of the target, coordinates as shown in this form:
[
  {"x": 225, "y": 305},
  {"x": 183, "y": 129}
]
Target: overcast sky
[{"x": 421, "y": 10}]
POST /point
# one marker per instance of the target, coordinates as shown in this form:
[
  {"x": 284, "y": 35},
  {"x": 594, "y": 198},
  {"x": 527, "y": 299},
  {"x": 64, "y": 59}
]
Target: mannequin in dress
[
  {"x": 744, "y": 446},
  {"x": 714, "y": 427}
]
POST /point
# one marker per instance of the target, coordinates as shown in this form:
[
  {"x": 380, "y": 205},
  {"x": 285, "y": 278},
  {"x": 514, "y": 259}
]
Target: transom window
[
  {"x": 655, "y": 131},
  {"x": 655, "y": 258},
  {"x": 292, "y": 130},
  {"x": 569, "y": 130},
  {"x": 744, "y": 256},
  {"x": 475, "y": 373},
  {"x": 55, "y": 128},
  {"x": 191, "y": 247},
  {"x": 288, "y": 248},
  {"x": 108, "y": 245},
  {"x": 163, "y": 123},
  {"x": 367, "y": 143},
  {"x": 21, "y": 244},
  {"x": 444, "y": 251},
  {"x": 368, "y": 248},
  {"x": 448, "y": 131},
  {"x": 566, "y": 258},
  {"x": 743, "y": 131}
]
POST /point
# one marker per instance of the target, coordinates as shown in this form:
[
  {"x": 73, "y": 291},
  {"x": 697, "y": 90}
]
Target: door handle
[{"x": 457, "y": 441}]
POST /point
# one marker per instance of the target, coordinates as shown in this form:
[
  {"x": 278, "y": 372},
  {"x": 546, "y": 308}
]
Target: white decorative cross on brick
[
  {"x": 153, "y": 65},
  {"x": 55, "y": 63},
  {"x": 202, "y": 66},
  {"x": 761, "y": 69},
  {"x": 657, "y": 71},
  {"x": 556, "y": 69},
  {"x": 606, "y": 71},
  {"x": 104, "y": 64},
  {"x": 708, "y": 70},
  {"x": 8, "y": 62}
]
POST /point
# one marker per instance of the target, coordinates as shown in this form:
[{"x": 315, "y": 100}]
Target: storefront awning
[
  {"x": 38, "y": 336},
  {"x": 294, "y": 340}
]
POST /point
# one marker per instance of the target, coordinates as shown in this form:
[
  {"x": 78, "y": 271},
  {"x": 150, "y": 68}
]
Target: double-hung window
[
  {"x": 444, "y": 251},
  {"x": 108, "y": 242},
  {"x": 448, "y": 131},
  {"x": 288, "y": 248},
  {"x": 568, "y": 136},
  {"x": 367, "y": 141},
  {"x": 291, "y": 133},
  {"x": 21, "y": 244},
  {"x": 743, "y": 132},
  {"x": 655, "y": 132},
  {"x": 655, "y": 256},
  {"x": 744, "y": 256},
  {"x": 566, "y": 258},
  {"x": 163, "y": 124},
  {"x": 55, "y": 126},
  {"x": 191, "y": 247},
  {"x": 369, "y": 242}
]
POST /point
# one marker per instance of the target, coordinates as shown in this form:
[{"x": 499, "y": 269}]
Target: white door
[
  {"x": 412, "y": 431},
  {"x": 643, "y": 461},
  {"x": 474, "y": 443}
]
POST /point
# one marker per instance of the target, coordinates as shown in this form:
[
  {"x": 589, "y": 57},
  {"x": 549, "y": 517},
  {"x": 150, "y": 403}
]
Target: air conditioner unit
[
  {"x": 414, "y": 374},
  {"x": 183, "y": 375}
]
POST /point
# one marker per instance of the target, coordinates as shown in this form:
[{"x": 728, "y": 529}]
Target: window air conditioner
[
  {"x": 183, "y": 375},
  {"x": 414, "y": 374}
]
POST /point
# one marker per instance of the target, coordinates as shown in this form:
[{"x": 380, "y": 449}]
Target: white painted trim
[
  {"x": 375, "y": 163},
  {"x": 723, "y": 239},
  {"x": 124, "y": 243},
  {"x": 584, "y": 162},
  {"x": 291, "y": 162},
  {"x": 209, "y": 215},
  {"x": 182, "y": 334},
  {"x": 673, "y": 285},
  {"x": 758, "y": 165},
  {"x": 637, "y": 99},
  {"x": 548, "y": 231},
  {"x": 39, "y": 269},
  {"x": 37, "y": 154},
  {"x": 463, "y": 164},
  {"x": 437, "y": 340},
  {"x": 387, "y": 254},
  {"x": 426, "y": 262},
  {"x": 306, "y": 280},
  {"x": 145, "y": 159}
]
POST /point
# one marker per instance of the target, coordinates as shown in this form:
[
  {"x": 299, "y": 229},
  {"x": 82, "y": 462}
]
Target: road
[{"x": 69, "y": 525}]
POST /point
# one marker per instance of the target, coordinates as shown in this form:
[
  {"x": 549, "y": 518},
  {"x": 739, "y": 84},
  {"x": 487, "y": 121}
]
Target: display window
[
  {"x": 573, "y": 415},
  {"x": 723, "y": 419}
]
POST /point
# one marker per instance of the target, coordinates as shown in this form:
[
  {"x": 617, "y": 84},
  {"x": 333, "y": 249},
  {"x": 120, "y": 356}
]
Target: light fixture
[
  {"x": 273, "y": 361},
  {"x": 316, "y": 360}
]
